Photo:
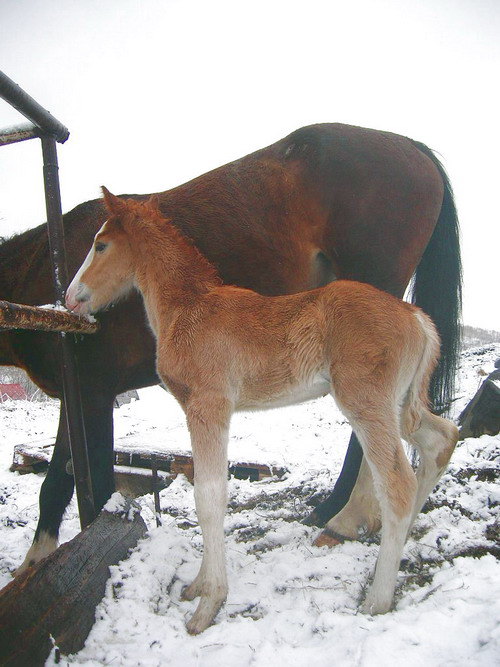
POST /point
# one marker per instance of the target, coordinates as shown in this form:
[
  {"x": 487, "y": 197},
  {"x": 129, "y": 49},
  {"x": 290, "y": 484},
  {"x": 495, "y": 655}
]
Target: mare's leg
[
  {"x": 339, "y": 496},
  {"x": 351, "y": 507},
  {"x": 57, "y": 488},
  {"x": 435, "y": 440},
  {"x": 55, "y": 494},
  {"x": 208, "y": 422},
  {"x": 98, "y": 417},
  {"x": 361, "y": 515}
]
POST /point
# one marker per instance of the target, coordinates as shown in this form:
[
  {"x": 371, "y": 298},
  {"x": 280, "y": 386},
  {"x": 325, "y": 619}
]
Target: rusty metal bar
[
  {"x": 54, "y": 216},
  {"x": 28, "y": 107},
  {"x": 19, "y": 316},
  {"x": 71, "y": 385},
  {"x": 50, "y": 130},
  {"x": 156, "y": 489},
  {"x": 17, "y": 133}
]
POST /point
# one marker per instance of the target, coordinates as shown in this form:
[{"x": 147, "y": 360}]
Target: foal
[{"x": 222, "y": 348}]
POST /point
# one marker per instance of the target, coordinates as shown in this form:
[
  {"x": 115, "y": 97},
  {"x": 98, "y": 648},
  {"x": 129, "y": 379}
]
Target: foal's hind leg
[
  {"x": 435, "y": 440},
  {"x": 395, "y": 486},
  {"x": 376, "y": 424},
  {"x": 208, "y": 421}
]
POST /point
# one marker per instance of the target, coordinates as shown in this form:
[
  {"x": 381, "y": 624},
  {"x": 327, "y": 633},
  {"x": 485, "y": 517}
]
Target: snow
[
  {"x": 62, "y": 309},
  {"x": 289, "y": 603}
]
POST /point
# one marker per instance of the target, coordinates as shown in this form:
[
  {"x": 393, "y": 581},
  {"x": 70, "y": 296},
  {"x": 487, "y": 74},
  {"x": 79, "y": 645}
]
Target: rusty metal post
[
  {"x": 25, "y": 104},
  {"x": 50, "y": 130},
  {"x": 71, "y": 387},
  {"x": 156, "y": 491},
  {"x": 16, "y": 133}
]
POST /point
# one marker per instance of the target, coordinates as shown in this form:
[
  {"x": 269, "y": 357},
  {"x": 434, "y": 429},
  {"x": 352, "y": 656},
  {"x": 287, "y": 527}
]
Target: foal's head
[{"x": 107, "y": 274}]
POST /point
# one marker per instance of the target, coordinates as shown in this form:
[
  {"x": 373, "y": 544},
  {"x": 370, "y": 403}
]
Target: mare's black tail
[{"x": 437, "y": 289}]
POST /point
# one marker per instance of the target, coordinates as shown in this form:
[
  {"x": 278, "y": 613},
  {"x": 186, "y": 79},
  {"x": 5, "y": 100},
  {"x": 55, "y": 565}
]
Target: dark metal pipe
[
  {"x": 17, "y": 133},
  {"x": 156, "y": 490},
  {"x": 71, "y": 386},
  {"x": 54, "y": 216},
  {"x": 25, "y": 104}
]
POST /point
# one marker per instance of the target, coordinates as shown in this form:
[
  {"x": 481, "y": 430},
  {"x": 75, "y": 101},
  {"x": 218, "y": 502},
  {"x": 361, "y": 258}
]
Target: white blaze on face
[{"x": 78, "y": 294}]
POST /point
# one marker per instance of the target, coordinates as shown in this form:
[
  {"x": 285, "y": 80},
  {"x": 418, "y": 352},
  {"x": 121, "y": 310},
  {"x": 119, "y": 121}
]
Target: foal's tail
[
  {"x": 417, "y": 398},
  {"x": 437, "y": 289}
]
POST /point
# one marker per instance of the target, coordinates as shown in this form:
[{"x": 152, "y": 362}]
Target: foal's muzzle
[{"x": 76, "y": 296}]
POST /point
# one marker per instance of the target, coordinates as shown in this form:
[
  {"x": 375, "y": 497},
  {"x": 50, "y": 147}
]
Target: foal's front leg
[{"x": 208, "y": 422}]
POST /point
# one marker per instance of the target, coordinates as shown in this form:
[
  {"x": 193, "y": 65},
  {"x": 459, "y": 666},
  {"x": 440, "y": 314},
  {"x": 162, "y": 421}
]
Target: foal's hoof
[
  {"x": 372, "y": 606},
  {"x": 327, "y": 538},
  {"x": 204, "y": 615},
  {"x": 191, "y": 592}
]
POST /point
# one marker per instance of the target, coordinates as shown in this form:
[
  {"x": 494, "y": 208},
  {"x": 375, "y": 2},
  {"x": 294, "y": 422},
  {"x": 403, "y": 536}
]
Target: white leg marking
[
  {"x": 209, "y": 442},
  {"x": 41, "y": 548}
]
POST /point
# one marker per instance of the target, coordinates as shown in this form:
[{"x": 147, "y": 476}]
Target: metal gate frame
[{"x": 49, "y": 130}]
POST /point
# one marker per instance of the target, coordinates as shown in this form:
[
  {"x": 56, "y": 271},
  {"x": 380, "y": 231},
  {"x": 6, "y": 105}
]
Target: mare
[
  {"x": 328, "y": 201},
  {"x": 222, "y": 348}
]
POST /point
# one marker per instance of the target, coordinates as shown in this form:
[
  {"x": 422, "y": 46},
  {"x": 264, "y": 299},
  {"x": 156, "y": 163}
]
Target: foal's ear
[
  {"x": 113, "y": 203},
  {"x": 154, "y": 203}
]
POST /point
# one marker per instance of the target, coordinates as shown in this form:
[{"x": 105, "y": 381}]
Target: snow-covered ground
[{"x": 290, "y": 603}]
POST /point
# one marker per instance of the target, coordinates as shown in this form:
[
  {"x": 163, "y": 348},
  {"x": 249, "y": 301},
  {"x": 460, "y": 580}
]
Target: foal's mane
[{"x": 158, "y": 226}]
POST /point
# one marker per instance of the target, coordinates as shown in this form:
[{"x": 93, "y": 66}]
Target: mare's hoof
[
  {"x": 23, "y": 568},
  {"x": 327, "y": 538}
]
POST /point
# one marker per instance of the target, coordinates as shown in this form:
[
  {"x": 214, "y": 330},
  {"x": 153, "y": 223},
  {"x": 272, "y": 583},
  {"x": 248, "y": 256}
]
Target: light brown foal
[{"x": 222, "y": 348}]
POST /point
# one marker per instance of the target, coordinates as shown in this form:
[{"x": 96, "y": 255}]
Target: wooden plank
[
  {"x": 58, "y": 596},
  {"x": 134, "y": 482},
  {"x": 17, "y": 316},
  {"x": 34, "y": 458}
]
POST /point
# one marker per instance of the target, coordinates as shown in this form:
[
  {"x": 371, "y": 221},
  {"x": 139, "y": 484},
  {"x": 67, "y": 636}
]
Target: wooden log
[
  {"x": 58, "y": 596},
  {"x": 17, "y": 316}
]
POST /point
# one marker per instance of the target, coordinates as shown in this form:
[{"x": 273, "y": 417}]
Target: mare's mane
[
  {"x": 20, "y": 255},
  {"x": 24, "y": 241}
]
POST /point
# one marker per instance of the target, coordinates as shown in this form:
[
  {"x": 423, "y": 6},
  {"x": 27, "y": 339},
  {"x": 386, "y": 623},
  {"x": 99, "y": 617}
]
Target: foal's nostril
[{"x": 82, "y": 294}]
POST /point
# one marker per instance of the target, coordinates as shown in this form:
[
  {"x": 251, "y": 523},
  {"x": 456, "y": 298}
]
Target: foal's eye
[{"x": 100, "y": 247}]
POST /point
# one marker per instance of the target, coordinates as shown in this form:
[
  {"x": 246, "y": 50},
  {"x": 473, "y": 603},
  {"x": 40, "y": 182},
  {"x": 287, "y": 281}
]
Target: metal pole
[
  {"x": 156, "y": 492},
  {"x": 71, "y": 388},
  {"x": 12, "y": 135},
  {"x": 30, "y": 108}
]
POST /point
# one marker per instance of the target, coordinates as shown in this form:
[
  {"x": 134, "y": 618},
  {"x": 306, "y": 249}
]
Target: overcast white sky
[{"x": 156, "y": 92}]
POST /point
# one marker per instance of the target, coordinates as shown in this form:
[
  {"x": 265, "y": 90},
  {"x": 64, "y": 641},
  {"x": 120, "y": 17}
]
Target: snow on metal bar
[
  {"x": 25, "y": 104},
  {"x": 17, "y": 133}
]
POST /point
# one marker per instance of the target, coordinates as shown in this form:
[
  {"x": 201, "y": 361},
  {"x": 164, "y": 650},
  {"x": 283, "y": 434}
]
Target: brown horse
[
  {"x": 222, "y": 348},
  {"x": 327, "y": 201}
]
